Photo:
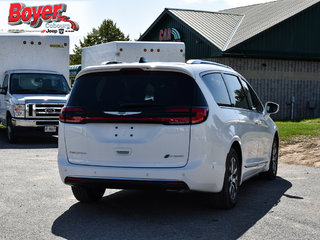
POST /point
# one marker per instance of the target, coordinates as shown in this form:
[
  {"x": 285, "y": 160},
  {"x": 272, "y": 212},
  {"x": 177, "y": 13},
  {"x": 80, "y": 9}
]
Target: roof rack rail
[{"x": 196, "y": 61}]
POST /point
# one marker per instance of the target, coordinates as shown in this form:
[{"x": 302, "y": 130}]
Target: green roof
[
  {"x": 260, "y": 17},
  {"x": 217, "y": 28},
  {"x": 228, "y": 28}
]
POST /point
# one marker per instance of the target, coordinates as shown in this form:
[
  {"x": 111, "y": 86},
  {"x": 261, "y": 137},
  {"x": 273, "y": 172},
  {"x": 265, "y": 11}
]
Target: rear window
[{"x": 134, "y": 90}]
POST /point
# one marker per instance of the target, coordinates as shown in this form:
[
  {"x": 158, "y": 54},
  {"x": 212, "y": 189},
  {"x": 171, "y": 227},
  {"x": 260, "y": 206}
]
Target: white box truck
[
  {"x": 33, "y": 85},
  {"x": 128, "y": 52}
]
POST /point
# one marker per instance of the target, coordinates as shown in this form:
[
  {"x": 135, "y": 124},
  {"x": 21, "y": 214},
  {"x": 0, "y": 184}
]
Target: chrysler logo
[{"x": 122, "y": 113}]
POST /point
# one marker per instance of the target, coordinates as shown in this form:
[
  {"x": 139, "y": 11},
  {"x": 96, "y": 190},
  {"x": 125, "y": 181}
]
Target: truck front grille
[{"x": 44, "y": 110}]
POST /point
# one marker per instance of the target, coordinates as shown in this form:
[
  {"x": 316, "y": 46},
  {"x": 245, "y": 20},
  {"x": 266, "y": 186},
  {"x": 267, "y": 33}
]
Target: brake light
[
  {"x": 200, "y": 115},
  {"x": 71, "y": 115},
  {"x": 131, "y": 69},
  {"x": 170, "y": 116}
]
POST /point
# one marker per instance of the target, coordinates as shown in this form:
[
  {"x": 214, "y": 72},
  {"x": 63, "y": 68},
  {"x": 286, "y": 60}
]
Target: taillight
[
  {"x": 71, "y": 115},
  {"x": 199, "y": 115},
  {"x": 177, "y": 116},
  {"x": 195, "y": 116}
]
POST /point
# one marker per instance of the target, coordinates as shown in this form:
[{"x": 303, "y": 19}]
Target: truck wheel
[
  {"x": 11, "y": 134},
  {"x": 86, "y": 194}
]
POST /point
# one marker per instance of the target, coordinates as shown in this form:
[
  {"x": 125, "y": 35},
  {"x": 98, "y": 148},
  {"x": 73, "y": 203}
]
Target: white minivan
[{"x": 197, "y": 126}]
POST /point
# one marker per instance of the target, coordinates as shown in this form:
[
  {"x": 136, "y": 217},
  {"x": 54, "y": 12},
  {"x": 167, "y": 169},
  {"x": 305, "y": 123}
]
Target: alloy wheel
[
  {"x": 233, "y": 178},
  {"x": 274, "y": 158}
]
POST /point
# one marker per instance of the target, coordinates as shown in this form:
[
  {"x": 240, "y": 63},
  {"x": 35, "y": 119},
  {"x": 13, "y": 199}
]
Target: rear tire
[
  {"x": 11, "y": 133},
  {"x": 86, "y": 194},
  {"x": 228, "y": 197},
  {"x": 271, "y": 174}
]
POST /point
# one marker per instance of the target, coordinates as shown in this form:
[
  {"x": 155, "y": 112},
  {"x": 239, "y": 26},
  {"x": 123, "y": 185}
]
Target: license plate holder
[{"x": 50, "y": 128}]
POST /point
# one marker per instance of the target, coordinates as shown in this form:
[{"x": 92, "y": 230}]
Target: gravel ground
[
  {"x": 34, "y": 204},
  {"x": 302, "y": 151}
]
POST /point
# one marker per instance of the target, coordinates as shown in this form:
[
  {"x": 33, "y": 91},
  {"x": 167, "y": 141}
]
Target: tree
[{"x": 106, "y": 32}]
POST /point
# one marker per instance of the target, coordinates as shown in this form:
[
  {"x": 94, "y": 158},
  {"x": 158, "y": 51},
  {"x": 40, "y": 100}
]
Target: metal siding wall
[
  {"x": 297, "y": 37},
  {"x": 279, "y": 80}
]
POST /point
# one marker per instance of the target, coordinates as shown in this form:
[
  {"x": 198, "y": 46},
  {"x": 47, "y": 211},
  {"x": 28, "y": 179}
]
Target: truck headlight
[{"x": 19, "y": 110}]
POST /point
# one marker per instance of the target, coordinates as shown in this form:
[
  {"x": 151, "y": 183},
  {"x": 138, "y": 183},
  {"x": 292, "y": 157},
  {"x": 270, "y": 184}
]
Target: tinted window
[
  {"x": 38, "y": 83},
  {"x": 5, "y": 82},
  {"x": 123, "y": 90},
  {"x": 256, "y": 104},
  {"x": 237, "y": 94},
  {"x": 198, "y": 98},
  {"x": 247, "y": 92},
  {"x": 217, "y": 87}
]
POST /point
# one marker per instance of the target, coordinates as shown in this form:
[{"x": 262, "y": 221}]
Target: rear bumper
[
  {"x": 195, "y": 177},
  {"x": 126, "y": 183}
]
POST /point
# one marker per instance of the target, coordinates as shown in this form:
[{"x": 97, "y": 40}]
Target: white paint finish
[
  {"x": 31, "y": 54},
  {"x": 256, "y": 139},
  {"x": 208, "y": 145},
  {"x": 132, "y": 51},
  {"x": 23, "y": 98},
  {"x": 99, "y": 143},
  {"x": 50, "y": 55}
]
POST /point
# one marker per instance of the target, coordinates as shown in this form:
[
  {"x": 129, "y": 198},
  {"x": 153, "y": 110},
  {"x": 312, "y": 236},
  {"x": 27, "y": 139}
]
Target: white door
[
  {"x": 249, "y": 128},
  {"x": 261, "y": 135}
]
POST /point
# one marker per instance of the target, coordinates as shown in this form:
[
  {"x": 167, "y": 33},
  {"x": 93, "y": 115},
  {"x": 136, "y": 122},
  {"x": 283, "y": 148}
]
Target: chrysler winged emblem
[{"x": 122, "y": 113}]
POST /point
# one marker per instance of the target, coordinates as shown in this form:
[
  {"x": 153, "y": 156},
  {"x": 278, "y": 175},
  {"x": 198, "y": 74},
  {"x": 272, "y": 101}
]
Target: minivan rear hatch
[{"x": 132, "y": 118}]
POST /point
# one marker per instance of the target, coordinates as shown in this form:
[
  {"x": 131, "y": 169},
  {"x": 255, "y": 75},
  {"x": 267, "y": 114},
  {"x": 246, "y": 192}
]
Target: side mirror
[
  {"x": 271, "y": 108},
  {"x": 3, "y": 91}
]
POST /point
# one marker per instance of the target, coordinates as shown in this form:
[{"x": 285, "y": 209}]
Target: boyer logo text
[{"x": 35, "y": 16}]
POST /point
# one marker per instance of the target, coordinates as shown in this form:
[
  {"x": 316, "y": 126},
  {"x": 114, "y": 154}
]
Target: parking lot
[{"x": 35, "y": 204}]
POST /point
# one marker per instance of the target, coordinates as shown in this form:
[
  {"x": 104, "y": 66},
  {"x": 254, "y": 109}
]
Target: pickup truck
[{"x": 33, "y": 85}]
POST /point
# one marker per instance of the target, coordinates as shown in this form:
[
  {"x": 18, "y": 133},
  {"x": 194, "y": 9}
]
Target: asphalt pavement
[{"x": 35, "y": 204}]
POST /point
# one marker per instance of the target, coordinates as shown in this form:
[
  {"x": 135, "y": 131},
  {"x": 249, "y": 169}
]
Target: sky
[{"x": 133, "y": 17}]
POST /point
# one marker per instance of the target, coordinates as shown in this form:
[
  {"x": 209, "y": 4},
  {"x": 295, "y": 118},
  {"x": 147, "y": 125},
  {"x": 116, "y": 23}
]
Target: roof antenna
[{"x": 143, "y": 60}]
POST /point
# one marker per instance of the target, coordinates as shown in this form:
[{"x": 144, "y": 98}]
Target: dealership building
[{"x": 274, "y": 45}]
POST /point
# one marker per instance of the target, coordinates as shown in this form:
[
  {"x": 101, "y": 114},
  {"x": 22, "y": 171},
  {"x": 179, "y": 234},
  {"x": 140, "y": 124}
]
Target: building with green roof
[{"x": 274, "y": 45}]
